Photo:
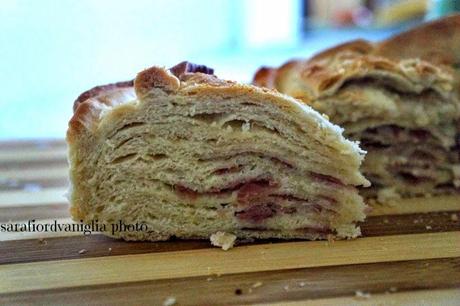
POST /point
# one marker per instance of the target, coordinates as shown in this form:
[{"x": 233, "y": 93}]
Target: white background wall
[{"x": 52, "y": 50}]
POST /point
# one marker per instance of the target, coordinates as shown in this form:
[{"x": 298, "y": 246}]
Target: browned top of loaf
[
  {"x": 437, "y": 41},
  {"x": 99, "y": 90},
  {"x": 89, "y": 104},
  {"x": 417, "y": 56}
]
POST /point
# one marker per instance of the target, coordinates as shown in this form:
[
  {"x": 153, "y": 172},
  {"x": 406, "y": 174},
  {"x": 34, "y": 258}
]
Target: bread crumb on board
[
  {"x": 454, "y": 217},
  {"x": 362, "y": 295},
  {"x": 223, "y": 240},
  {"x": 82, "y": 251},
  {"x": 388, "y": 196},
  {"x": 169, "y": 301},
  {"x": 257, "y": 284}
]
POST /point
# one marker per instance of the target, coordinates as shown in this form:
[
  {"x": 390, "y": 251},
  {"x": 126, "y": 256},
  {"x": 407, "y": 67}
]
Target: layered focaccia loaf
[
  {"x": 402, "y": 107},
  {"x": 189, "y": 155}
]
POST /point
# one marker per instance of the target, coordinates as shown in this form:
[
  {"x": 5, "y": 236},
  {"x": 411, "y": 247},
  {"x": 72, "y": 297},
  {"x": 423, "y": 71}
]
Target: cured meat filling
[
  {"x": 260, "y": 199},
  {"x": 410, "y": 159}
]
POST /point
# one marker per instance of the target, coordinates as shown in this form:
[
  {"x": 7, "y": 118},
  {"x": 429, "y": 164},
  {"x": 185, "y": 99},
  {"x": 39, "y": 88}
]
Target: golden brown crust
[
  {"x": 325, "y": 77},
  {"x": 96, "y": 91},
  {"x": 358, "y": 46},
  {"x": 265, "y": 77},
  {"x": 277, "y": 78},
  {"x": 437, "y": 42},
  {"x": 89, "y": 105},
  {"x": 167, "y": 80},
  {"x": 405, "y": 61},
  {"x": 318, "y": 78},
  {"x": 155, "y": 77}
]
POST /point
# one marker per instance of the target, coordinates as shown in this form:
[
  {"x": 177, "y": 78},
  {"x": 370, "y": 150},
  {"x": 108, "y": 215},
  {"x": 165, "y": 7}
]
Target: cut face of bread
[
  {"x": 405, "y": 112},
  {"x": 189, "y": 155}
]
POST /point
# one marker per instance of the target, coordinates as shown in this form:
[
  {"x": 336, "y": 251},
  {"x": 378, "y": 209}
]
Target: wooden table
[{"x": 408, "y": 254}]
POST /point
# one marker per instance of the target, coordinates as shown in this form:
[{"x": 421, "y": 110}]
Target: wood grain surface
[{"x": 409, "y": 254}]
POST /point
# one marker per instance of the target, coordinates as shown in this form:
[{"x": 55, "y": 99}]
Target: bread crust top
[
  {"x": 100, "y": 91},
  {"x": 437, "y": 41},
  {"x": 319, "y": 78},
  {"x": 409, "y": 61}
]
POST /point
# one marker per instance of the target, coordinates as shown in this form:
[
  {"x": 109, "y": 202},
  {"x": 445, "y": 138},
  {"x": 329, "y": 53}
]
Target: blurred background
[{"x": 52, "y": 50}]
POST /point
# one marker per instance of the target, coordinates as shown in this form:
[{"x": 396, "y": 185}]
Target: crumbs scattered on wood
[
  {"x": 362, "y": 295},
  {"x": 257, "y": 284},
  {"x": 428, "y": 227},
  {"x": 393, "y": 289},
  {"x": 82, "y": 251},
  {"x": 302, "y": 284},
  {"x": 224, "y": 240},
  {"x": 286, "y": 288},
  {"x": 454, "y": 217},
  {"x": 238, "y": 291},
  {"x": 42, "y": 241},
  {"x": 169, "y": 301},
  {"x": 110, "y": 250}
]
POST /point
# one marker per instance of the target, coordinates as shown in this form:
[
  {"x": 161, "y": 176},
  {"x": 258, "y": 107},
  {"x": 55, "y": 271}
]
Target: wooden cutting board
[{"x": 409, "y": 254}]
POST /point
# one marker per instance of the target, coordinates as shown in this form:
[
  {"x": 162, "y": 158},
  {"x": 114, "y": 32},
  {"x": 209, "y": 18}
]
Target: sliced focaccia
[
  {"x": 189, "y": 155},
  {"x": 405, "y": 111}
]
